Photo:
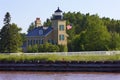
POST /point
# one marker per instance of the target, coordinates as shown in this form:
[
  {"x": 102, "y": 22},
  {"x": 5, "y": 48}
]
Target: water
[{"x": 58, "y": 76}]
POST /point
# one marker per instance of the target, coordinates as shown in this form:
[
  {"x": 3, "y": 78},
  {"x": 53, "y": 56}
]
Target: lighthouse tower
[{"x": 59, "y": 27}]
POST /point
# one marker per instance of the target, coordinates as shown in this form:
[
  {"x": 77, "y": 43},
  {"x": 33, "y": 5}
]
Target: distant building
[{"x": 55, "y": 34}]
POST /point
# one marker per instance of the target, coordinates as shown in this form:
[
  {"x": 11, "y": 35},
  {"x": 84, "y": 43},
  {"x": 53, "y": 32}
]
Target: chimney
[{"x": 38, "y": 22}]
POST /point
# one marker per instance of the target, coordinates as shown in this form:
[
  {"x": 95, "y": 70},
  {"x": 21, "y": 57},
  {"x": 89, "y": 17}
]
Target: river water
[{"x": 58, "y": 76}]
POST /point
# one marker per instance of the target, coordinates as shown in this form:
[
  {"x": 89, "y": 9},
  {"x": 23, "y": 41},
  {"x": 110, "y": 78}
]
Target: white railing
[{"x": 79, "y": 53}]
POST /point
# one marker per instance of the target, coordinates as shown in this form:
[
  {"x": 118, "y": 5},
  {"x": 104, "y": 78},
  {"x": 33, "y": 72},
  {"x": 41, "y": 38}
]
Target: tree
[
  {"x": 115, "y": 41},
  {"x": 15, "y": 38},
  {"x": 35, "y": 48},
  {"x": 63, "y": 48},
  {"x": 48, "y": 47},
  {"x": 31, "y": 26},
  {"x": 96, "y": 36},
  {"x": 47, "y": 23},
  {"x": 4, "y": 34},
  {"x": 53, "y": 48},
  {"x": 76, "y": 43},
  {"x": 23, "y": 37},
  {"x": 40, "y": 48},
  {"x": 90, "y": 32},
  {"x": 7, "y": 19},
  {"x": 10, "y": 39},
  {"x": 29, "y": 49}
]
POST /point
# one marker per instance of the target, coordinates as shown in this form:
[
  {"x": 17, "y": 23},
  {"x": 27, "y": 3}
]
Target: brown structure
[
  {"x": 38, "y": 22},
  {"x": 55, "y": 34}
]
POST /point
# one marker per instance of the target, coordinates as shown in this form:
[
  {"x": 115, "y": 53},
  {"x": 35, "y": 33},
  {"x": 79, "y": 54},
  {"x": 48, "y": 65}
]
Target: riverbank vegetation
[
  {"x": 46, "y": 47},
  {"x": 88, "y": 33},
  {"x": 55, "y": 57}
]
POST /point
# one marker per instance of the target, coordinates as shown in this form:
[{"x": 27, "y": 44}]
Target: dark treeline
[{"x": 91, "y": 33}]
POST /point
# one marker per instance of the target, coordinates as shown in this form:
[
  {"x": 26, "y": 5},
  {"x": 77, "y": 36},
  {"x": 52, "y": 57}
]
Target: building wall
[
  {"x": 50, "y": 37},
  {"x": 62, "y": 32},
  {"x": 38, "y": 38},
  {"x": 57, "y": 32},
  {"x": 54, "y": 36},
  {"x": 34, "y": 38}
]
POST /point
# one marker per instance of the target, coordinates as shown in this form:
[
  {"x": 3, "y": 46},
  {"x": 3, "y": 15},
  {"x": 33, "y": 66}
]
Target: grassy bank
[{"x": 53, "y": 57}]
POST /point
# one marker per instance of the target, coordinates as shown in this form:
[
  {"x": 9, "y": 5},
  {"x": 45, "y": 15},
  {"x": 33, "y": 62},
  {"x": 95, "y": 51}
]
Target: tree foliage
[
  {"x": 90, "y": 32},
  {"x": 63, "y": 48},
  {"x": 7, "y": 19},
  {"x": 31, "y": 26},
  {"x": 47, "y": 23},
  {"x": 23, "y": 37},
  {"x": 10, "y": 39},
  {"x": 115, "y": 41},
  {"x": 32, "y": 49},
  {"x": 96, "y": 36},
  {"x": 47, "y": 47}
]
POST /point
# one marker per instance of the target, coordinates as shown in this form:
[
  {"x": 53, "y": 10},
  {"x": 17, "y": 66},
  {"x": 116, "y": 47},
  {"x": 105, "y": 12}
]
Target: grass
[{"x": 55, "y": 57}]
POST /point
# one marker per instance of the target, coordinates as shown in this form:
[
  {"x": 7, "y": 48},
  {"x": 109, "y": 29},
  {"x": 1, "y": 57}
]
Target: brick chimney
[{"x": 38, "y": 22}]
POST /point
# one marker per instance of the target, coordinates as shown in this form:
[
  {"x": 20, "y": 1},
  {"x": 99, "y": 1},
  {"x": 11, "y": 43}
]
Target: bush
[
  {"x": 63, "y": 48},
  {"x": 47, "y": 47}
]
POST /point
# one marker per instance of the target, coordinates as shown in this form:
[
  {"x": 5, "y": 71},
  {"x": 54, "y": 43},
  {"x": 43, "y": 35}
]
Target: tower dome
[
  {"x": 58, "y": 10},
  {"x": 57, "y": 15}
]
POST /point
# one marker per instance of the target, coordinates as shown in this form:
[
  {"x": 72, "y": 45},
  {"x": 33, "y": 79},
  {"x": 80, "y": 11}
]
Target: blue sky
[{"x": 23, "y": 12}]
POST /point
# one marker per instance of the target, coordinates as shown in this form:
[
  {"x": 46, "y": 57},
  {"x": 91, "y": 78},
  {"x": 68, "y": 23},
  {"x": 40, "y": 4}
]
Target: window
[
  {"x": 61, "y": 37},
  {"x": 61, "y": 27},
  {"x": 36, "y": 41},
  {"x": 50, "y": 41},
  {"x": 28, "y": 42},
  {"x": 41, "y": 41},
  {"x": 33, "y": 41}
]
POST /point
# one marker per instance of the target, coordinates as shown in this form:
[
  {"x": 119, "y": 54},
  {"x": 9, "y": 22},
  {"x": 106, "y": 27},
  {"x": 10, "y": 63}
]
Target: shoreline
[
  {"x": 62, "y": 66},
  {"x": 37, "y": 72}
]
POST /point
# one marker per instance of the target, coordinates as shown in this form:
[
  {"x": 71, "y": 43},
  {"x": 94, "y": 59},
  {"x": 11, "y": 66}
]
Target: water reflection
[{"x": 58, "y": 76}]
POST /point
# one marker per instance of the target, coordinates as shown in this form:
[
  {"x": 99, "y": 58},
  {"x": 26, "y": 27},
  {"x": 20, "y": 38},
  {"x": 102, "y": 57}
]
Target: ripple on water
[{"x": 58, "y": 76}]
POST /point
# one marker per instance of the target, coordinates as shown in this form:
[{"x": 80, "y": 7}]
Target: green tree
[
  {"x": 85, "y": 28},
  {"x": 47, "y": 22},
  {"x": 31, "y": 26},
  {"x": 63, "y": 48},
  {"x": 4, "y": 34},
  {"x": 23, "y": 37},
  {"x": 7, "y": 19},
  {"x": 76, "y": 43},
  {"x": 48, "y": 47},
  {"x": 15, "y": 38},
  {"x": 115, "y": 41},
  {"x": 96, "y": 35},
  {"x": 40, "y": 48},
  {"x": 29, "y": 49},
  {"x": 10, "y": 39},
  {"x": 35, "y": 48}
]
